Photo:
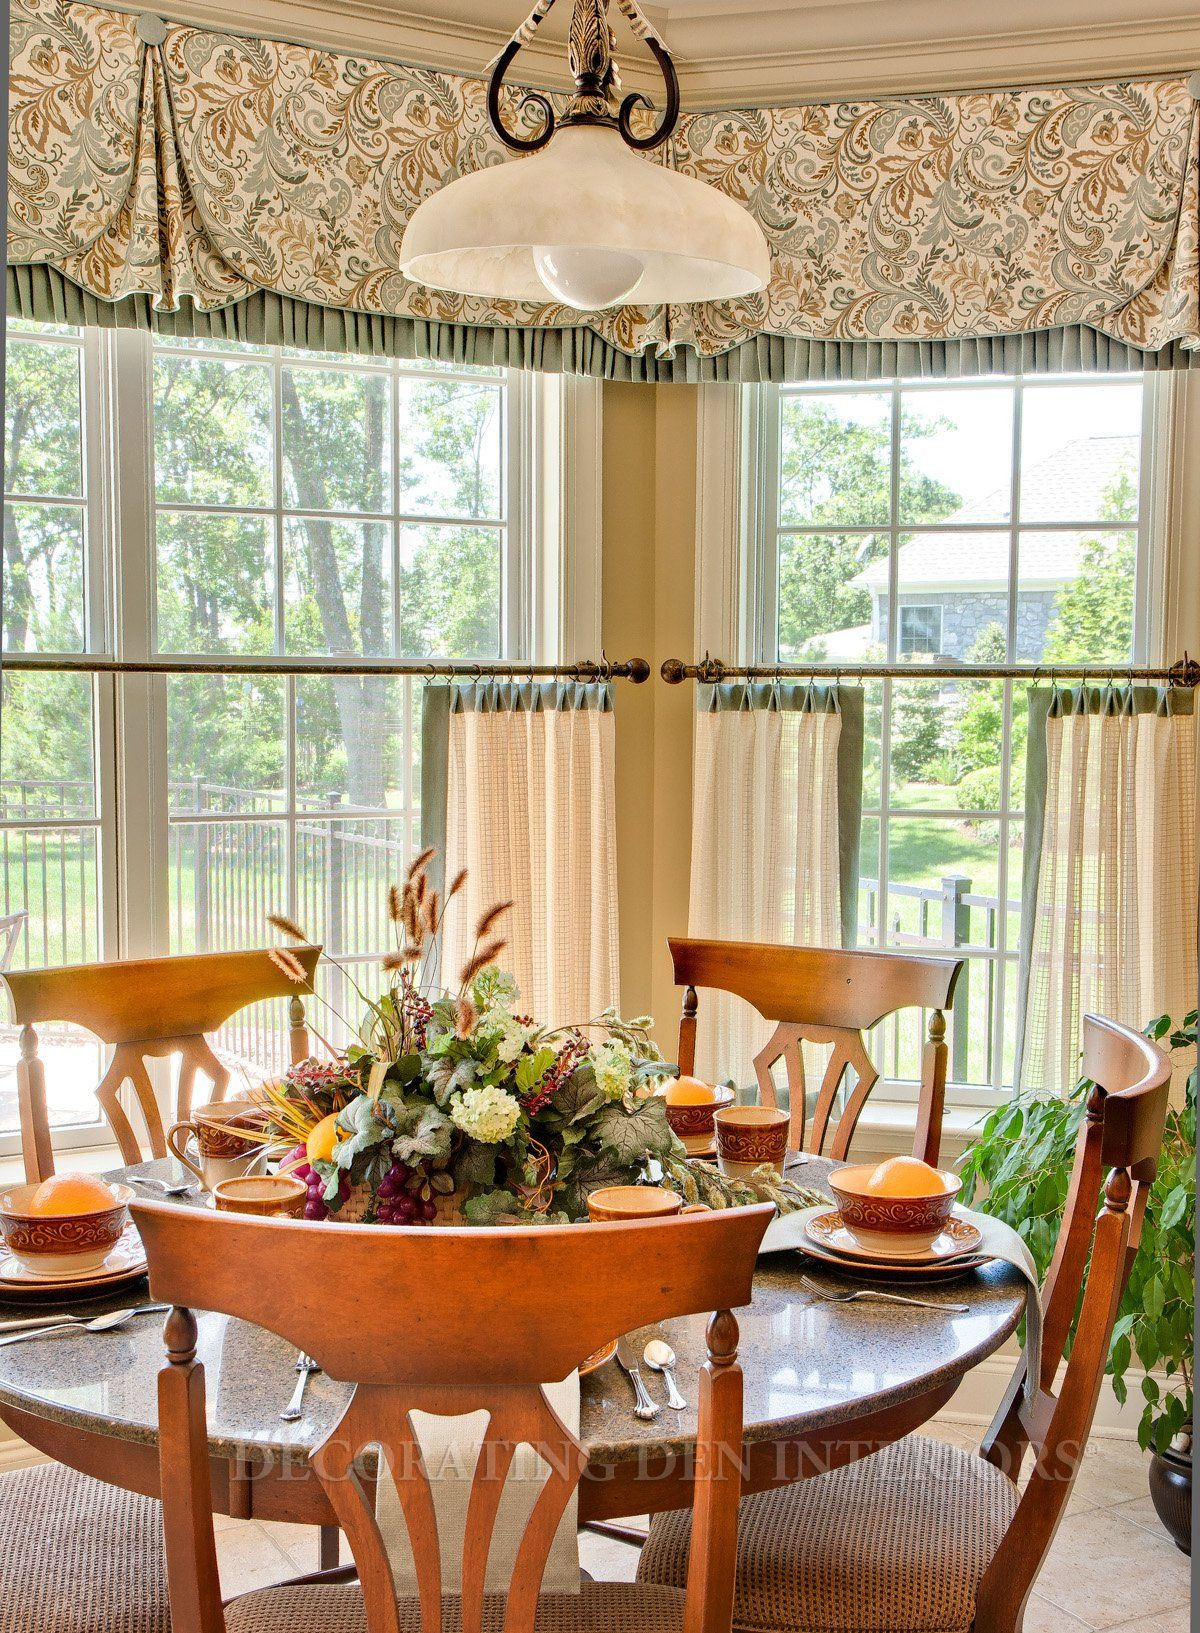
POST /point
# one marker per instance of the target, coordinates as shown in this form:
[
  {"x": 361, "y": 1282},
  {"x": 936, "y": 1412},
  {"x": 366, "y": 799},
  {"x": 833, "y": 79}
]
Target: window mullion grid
[
  {"x": 997, "y": 1019},
  {"x": 290, "y": 853}
]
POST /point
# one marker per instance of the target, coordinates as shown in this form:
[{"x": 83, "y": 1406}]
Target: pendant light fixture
[{"x": 585, "y": 218}]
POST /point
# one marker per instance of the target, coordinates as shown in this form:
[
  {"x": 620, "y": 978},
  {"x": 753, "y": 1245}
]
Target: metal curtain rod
[
  {"x": 712, "y": 671},
  {"x": 587, "y": 669}
]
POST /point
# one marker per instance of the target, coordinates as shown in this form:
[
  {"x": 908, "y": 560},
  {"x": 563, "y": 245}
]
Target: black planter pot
[{"x": 1171, "y": 1494}]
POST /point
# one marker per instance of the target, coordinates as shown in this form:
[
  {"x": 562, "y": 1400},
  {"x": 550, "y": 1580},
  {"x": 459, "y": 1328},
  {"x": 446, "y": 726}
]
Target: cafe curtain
[
  {"x": 201, "y": 182},
  {"x": 518, "y": 787},
  {"x": 776, "y": 802},
  {"x": 1110, "y": 875}
]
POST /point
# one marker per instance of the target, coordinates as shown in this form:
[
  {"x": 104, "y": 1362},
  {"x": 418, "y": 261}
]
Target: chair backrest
[
  {"x": 11, "y": 925},
  {"x": 144, "y": 1008},
  {"x": 489, "y": 1316},
  {"x": 1122, "y": 1133},
  {"x": 822, "y": 995}
]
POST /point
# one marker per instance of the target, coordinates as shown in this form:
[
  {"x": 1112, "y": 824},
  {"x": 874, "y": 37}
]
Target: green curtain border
[
  {"x": 1058, "y": 700},
  {"x": 493, "y": 696},
  {"x": 43, "y": 294},
  {"x": 802, "y": 696}
]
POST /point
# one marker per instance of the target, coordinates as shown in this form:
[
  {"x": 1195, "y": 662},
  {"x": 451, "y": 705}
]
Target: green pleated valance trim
[{"x": 43, "y": 295}]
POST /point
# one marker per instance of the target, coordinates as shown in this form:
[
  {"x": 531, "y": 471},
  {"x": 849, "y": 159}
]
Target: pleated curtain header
[{"x": 204, "y": 182}]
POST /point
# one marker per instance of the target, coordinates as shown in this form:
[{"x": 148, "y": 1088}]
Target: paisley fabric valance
[{"x": 207, "y": 182}]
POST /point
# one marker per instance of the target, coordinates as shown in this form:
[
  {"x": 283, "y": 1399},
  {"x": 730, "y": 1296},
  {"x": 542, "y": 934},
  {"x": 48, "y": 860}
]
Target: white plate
[{"x": 956, "y": 1241}]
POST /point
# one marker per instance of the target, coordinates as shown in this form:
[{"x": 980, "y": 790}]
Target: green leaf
[
  {"x": 361, "y": 1125},
  {"x": 1174, "y": 1208},
  {"x": 476, "y": 1164},
  {"x": 492, "y": 1208},
  {"x": 531, "y": 1069},
  {"x": 1155, "y": 1297},
  {"x": 422, "y": 1131},
  {"x": 633, "y": 1136}
]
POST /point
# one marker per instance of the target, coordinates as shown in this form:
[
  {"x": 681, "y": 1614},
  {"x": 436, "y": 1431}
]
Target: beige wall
[{"x": 649, "y": 610}]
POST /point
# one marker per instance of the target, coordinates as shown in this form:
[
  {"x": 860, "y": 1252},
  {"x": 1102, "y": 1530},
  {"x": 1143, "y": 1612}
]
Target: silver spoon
[
  {"x": 872, "y": 1294},
  {"x": 660, "y": 1357},
  {"x": 161, "y": 1185},
  {"x": 101, "y": 1323}
]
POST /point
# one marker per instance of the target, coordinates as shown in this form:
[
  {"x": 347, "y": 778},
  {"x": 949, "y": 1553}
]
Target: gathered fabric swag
[
  {"x": 1110, "y": 868},
  {"x": 776, "y": 807},
  {"x": 518, "y": 786},
  {"x": 187, "y": 172}
]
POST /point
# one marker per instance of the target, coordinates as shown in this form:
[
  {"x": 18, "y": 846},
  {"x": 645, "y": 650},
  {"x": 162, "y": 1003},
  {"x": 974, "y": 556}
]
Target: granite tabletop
[{"x": 807, "y": 1364}]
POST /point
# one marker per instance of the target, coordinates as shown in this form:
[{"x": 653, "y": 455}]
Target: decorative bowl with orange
[
  {"x": 691, "y": 1106},
  {"x": 65, "y": 1226},
  {"x": 900, "y": 1205}
]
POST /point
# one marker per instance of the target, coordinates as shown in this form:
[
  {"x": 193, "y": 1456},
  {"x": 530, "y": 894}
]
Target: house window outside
[
  {"x": 978, "y": 521},
  {"x": 920, "y": 630},
  {"x": 271, "y": 504}
]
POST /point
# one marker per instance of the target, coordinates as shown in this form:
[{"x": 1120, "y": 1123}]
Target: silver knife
[{"x": 627, "y": 1360}]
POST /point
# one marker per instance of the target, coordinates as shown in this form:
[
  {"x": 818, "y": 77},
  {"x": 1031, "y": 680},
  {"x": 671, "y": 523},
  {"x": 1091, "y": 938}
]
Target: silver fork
[
  {"x": 305, "y": 1366},
  {"x": 870, "y": 1293}
]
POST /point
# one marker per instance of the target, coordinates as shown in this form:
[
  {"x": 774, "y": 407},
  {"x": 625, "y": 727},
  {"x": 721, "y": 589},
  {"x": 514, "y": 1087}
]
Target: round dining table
[{"x": 825, "y": 1383}]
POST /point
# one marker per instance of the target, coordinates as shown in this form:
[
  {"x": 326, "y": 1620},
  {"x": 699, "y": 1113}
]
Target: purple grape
[
  {"x": 315, "y": 1209},
  {"x": 429, "y": 1211},
  {"x": 389, "y": 1185},
  {"x": 406, "y": 1206}
]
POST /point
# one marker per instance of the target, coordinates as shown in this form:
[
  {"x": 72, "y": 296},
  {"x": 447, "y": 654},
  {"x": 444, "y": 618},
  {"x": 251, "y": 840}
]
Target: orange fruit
[
  {"x": 70, "y": 1194},
  {"x": 320, "y": 1143},
  {"x": 904, "y": 1176},
  {"x": 689, "y": 1091}
]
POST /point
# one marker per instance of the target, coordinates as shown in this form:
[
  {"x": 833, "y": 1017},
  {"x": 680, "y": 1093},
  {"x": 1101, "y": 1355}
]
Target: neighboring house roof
[
  {"x": 1066, "y": 486},
  {"x": 841, "y": 645}
]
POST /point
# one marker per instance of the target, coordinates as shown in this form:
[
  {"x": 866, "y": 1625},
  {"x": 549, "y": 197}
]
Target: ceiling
[{"x": 767, "y": 50}]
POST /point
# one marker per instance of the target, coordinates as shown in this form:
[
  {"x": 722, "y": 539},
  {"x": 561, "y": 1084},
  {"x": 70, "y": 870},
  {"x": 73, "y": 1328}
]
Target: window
[
  {"x": 272, "y": 504},
  {"x": 979, "y": 521},
  {"x": 920, "y": 630}
]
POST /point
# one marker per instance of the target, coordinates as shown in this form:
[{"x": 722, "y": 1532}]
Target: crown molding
[
  {"x": 1164, "y": 45},
  {"x": 933, "y": 62},
  {"x": 375, "y": 29}
]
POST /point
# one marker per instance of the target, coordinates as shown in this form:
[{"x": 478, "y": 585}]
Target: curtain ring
[{"x": 431, "y": 670}]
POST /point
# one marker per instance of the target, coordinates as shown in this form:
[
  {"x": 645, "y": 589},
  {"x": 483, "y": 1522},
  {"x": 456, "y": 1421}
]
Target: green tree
[
  {"x": 835, "y": 473},
  {"x": 1094, "y": 612}
]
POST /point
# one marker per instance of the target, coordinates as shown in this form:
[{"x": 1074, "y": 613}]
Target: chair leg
[{"x": 329, "y": 1548}]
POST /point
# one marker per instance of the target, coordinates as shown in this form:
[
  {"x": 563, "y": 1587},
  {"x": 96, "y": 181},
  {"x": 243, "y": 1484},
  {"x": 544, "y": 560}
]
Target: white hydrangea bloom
[
  {"x": 612, "y": 1063},
  {"x": 495, "y": 992},
  {"x": 513, "y": 1035},
  {"x": 488, "y": 1115}
]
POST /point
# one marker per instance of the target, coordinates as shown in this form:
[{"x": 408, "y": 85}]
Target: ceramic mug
[
  {"x": 633, "y": 1202},
  {"x": 210, "y": 1144},
  {"x": 276, "y": 1196},
  {"x": 748, "y": 1136}
]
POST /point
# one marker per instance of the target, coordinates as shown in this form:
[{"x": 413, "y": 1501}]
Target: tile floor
[{"x": 1111, "y": 1567}]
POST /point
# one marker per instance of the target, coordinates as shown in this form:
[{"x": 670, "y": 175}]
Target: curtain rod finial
[
  {"x": 639, "y": 671},
  {"x": 673, "y": 671}
]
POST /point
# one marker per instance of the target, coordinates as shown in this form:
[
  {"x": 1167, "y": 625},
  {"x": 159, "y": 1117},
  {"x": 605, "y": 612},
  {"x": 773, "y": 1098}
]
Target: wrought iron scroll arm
[
  {"x": 636, "y": 99},
  {"x": 535, "y": 99}
]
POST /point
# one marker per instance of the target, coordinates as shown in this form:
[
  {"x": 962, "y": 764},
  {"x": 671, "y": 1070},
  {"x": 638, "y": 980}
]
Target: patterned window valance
[{"x": 203, "y": 182}]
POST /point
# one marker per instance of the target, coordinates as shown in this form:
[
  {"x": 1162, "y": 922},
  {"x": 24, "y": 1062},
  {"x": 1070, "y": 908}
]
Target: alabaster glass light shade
[{"x": 587, "y": 221}]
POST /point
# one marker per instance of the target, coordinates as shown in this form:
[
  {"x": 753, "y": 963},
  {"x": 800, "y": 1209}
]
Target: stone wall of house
[{"x": 967, "y": 613}]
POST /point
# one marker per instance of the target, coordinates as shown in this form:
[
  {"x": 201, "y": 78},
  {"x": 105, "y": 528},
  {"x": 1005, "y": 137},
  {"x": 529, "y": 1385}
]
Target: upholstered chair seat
[
  {"x": 895, "y": 1543},
  {"x": 79, "y": 1556},
  {"x": 600, "y": 1607}
]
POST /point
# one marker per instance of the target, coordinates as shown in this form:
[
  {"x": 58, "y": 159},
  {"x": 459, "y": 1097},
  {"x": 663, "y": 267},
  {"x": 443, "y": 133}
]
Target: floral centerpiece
[{"x": 454, "y": 1103}]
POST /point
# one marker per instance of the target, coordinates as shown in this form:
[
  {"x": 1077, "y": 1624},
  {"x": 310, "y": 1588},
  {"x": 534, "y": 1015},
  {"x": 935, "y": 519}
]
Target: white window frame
[
  {"x": 550, "y": 603},
  {"x": 923, "y": 607},
  {"x": 736, "y": 572}
]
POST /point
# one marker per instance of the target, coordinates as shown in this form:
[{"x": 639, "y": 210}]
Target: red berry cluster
[{"x": 564, "y": 1065}]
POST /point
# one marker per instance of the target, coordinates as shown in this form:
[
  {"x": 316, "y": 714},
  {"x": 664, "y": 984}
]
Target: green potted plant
[{"x": 1019, "y": 1168}]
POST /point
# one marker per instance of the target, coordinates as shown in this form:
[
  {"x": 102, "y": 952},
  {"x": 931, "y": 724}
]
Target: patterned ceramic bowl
[
  {"x": 61, "y": 1244},
  {"x": 694, "y": 1124},
  {"x": 887, "y": 1223}
]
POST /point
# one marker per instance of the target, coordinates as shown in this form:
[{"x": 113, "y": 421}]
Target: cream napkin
[
  {"x": 1000, "y": 1241},
  {"x": 449, "y": 1447}
]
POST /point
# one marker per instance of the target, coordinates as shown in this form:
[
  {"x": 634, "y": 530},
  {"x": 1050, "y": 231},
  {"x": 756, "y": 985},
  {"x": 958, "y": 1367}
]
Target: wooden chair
[
  {"x": 82, "y": 1556},
  {"x": 821, "y": 995},
  {"x": 922, "y": 1535},
  {"x": 143, "y": 1009},
  {"x": 489, "y": 1316}
]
